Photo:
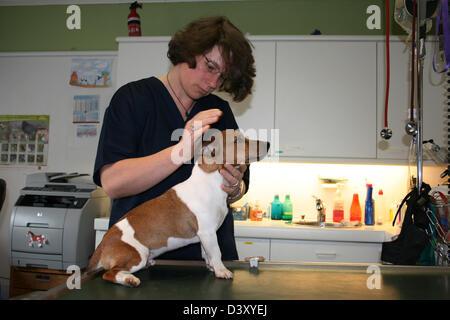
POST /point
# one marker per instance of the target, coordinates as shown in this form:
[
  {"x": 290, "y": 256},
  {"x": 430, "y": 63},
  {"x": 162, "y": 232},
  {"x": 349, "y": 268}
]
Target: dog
[{"x": 191, "y": 211}]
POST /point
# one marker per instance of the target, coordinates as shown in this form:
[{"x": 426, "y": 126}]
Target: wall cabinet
[
  {"x": 399, "y": 100},
  {"x": 324, "y": 95},
  {"x": 326, "y": 98}
]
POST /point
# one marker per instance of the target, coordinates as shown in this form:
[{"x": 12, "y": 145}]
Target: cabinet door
[
  {"x": 397, "y": 146},
  {"x": 325, "y": 103},
  {"x": 250, "y": 247},
  {"x": 324, "y": 251},
  {"x": 255, "y": 115},
  {"x": 138, "y": 60}
]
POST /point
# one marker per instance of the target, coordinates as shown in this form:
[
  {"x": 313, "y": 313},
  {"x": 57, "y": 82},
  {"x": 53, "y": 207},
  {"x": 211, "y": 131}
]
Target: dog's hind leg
[
  {"x": 122, "y": 277},
  {"x": 120, "y": 267}
]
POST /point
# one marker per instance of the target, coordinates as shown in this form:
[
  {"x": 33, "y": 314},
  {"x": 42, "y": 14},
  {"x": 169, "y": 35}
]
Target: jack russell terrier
[{"x": 191, "y": 211}]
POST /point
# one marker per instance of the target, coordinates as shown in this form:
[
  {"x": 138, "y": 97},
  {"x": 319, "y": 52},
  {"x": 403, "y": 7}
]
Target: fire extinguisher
[{"x": 134, "y": 20}]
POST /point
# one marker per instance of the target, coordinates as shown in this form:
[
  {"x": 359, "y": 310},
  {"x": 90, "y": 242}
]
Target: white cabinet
[
  {"x": 326, "y": 98},
  {"x": 141, "y": 58},
  {"x": 324, "y": 251},
  {"x": 399, "y": 100},
  {"x": 255, "y": 115},
  {"x": 309, "y": 250},
  {"x": 325, "y": 95},
  {"x": 249, "y": 247}
]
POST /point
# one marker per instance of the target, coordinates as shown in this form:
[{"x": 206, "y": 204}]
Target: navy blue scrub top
[{"x": 139, "y": 122}]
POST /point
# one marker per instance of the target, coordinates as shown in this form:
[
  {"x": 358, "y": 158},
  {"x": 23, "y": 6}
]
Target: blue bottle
[
  {"x": 276, "y": 208},
  {"x": 369, "y": 219}
]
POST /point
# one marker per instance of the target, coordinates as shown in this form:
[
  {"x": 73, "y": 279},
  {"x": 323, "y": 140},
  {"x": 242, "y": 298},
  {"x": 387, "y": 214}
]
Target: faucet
[{"x": 320, "y": 210}]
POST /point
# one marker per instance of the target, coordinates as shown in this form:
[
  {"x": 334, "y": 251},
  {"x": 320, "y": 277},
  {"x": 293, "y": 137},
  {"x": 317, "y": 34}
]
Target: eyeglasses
[{"x": 213, "y": 68}]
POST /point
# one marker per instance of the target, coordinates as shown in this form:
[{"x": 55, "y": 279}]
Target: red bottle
[
  {"x": 355, "y": 209},
  {"x": 134, "y": 20}
]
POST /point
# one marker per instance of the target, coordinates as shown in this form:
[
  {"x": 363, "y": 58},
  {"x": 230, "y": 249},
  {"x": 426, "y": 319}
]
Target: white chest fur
[{"x": 203, "y": 195}]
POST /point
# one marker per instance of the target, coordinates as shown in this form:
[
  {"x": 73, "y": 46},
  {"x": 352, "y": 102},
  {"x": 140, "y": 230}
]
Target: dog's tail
[{"x": 95, "y": 263}]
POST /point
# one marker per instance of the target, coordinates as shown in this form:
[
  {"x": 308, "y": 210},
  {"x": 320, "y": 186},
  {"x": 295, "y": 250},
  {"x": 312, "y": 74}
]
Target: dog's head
[{"x": 229, "y": 146}]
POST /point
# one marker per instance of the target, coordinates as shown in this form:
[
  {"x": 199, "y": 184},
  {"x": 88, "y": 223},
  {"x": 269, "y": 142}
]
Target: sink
[{"x": 345, "y": 224}]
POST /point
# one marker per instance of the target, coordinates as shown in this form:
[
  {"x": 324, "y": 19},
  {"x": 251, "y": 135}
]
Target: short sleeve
[{"x": 118, "y": 138}]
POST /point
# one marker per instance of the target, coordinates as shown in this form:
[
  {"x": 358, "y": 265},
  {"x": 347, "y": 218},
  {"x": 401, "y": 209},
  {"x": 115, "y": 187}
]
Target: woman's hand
[
  {"x": 192, "y": 134},
  {"x": 233, "y": 175}
]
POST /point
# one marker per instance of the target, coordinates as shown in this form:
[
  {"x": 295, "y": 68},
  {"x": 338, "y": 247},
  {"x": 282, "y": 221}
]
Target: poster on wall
[
  {"x": 86, "y": 109},
  {"x": 24, "y": 139},
  {"x": 91, "y": 72}
]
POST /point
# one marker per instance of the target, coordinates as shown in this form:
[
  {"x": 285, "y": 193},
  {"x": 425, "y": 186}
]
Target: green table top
[{"x": 270, "y": 281}]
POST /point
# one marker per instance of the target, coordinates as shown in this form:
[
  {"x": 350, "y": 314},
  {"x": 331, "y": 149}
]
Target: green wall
[{"x": 43, "y": 28}]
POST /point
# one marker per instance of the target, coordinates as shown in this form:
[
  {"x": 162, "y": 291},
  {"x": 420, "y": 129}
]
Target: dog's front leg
[
  {"x": 205, "y": 257},
  {"x": 213, "y": 255}
]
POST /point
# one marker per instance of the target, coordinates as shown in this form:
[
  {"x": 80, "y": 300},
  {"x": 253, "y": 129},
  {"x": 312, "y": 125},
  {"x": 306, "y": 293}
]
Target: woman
[{"x": 136, "y": 149}]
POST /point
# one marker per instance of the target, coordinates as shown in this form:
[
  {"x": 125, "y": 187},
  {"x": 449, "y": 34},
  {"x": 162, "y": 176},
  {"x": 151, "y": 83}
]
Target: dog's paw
[
  {"x": 223, "y": 273},
  {"x": 131, "y": 281},
  {"x": 209, "y": 268}
]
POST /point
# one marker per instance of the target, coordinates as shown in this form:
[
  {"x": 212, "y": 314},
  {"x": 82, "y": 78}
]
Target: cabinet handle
[{"x": 331, "y": 254}]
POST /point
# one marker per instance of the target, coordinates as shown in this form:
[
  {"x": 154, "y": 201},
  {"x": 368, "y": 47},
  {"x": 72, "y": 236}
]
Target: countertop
[{"x": 276, "y": 229}]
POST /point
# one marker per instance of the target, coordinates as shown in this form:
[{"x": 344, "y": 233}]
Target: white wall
[{"x": 38, "y": 84}]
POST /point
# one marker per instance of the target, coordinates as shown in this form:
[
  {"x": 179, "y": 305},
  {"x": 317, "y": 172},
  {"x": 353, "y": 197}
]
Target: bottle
[
  {"x": 368, "y": 212},
  {"x": 276, "y": 208},
  {"x": 338, "y": 207},
  {"x": 287, "y": 208},
  {"x": 134, "y": 20},
  {"x": 380, "y": 207},
  {"x": 355, "y": 209},
  {"x": 256, "y": 213}
]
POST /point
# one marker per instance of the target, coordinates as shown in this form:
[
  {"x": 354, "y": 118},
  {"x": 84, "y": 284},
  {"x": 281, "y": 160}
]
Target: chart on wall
[{"x": 24, "y": 139}]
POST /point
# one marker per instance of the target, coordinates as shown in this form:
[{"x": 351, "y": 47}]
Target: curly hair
[{"x": 201, "y": 36}]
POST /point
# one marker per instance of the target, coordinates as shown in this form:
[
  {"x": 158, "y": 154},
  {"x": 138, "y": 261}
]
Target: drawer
[
  {"x": 37, "y": 280},
  {"x": 325, "y": 251},
  {"x": 248, "y": 247}
]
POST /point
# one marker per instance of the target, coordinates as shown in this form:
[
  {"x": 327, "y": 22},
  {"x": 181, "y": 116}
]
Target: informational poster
[
  {"x": 86, "y": 131},
  {"x": 24, "y": 139},
  {"x": 91, "y": 72},
  {"x": 86, "y": 109}
]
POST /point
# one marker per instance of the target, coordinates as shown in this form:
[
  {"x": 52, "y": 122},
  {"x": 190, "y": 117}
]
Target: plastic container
[
  {"x": 287, "y": 208},
  {"x": 380, "y": 208},
  {"x": 355, "y": 209},
  {"x": 256, "y": 213},
  {"x": 239, "y": 214},
  {"x": 338, "y": 207},
  {"x": 369, "y": 217},
  {"x": 276, "y": 209}
]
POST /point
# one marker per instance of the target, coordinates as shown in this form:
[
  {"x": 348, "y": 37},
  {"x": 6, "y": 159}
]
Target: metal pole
[{"x": 421, "y": 15}]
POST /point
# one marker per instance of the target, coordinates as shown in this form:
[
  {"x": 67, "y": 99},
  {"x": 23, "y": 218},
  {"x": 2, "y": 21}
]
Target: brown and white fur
[{"x": 190, "y": 212}]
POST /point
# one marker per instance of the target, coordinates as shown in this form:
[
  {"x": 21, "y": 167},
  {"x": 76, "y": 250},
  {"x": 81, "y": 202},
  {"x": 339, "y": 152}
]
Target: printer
[{"x": 52, "y": 223}]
